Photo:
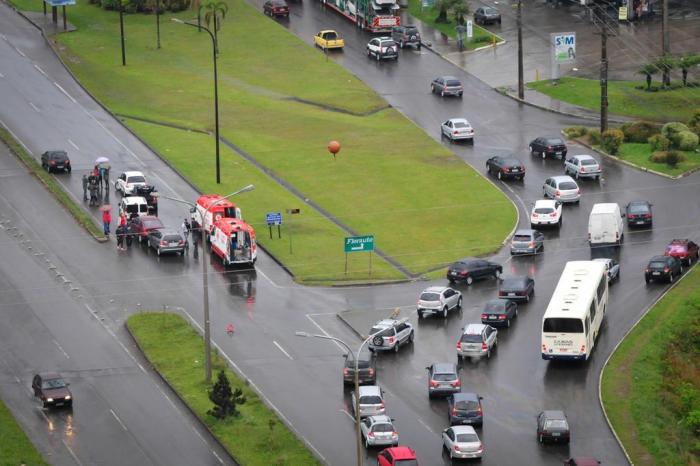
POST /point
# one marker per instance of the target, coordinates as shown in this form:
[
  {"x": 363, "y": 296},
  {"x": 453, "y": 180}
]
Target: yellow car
[{"x": 328, "y": 39}]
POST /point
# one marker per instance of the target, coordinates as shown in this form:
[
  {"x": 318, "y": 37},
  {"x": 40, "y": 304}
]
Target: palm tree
[
  {"x": 665, "y": 65},
  {"x": 648, "y": 70},
  {"x": 215, "y": 11},
  {"x": 685, "y": 63},
  {"x": 197, "y": 5},
  {"x": 460, "y": 9}
]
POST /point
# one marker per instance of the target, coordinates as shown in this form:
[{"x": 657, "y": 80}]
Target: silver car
[
  {"x": 476, "y": 341},
  {"x": 390, "y": 334},
  {"x": 457, "y": 128},
  {"x": 462, "y": 442},
  {"x": 612, "y": 268},
  {"x": 371, "y": 401},
  {"x": 562, "y": 188},
  {"x": 379, "y": 430},
  {"x": 527, "y": 242},
  {"x": 582, "y": 166},
  {"x": 166, "y": 240},
  {"x": 439, "y": 300}
]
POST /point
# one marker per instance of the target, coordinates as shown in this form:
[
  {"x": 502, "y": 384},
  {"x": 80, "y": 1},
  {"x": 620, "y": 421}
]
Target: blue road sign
[
  {"x": 273, "y": 218},
  {"x": 60, "y": 2}
]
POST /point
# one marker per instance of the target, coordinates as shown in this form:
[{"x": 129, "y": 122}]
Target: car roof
[
  {"x": 133, "y": 173},
  {"x": 560, "y": 178},
  {"x": 50, "y": 375},
  {"x": 554, "y": 414},
  {"x": 327, "y": 30},
  {"x": 459, "y": 120},
  {"x": 500, "y": 302},
  {"x": 402, "y": 452},
  {"x": 474, "y": 329},
  {"x": 462, "y": 396},
  {"x": 381, "y": 418},
  {"x": 387, "y": 323},
  {"x": 463, "y": 430},
  {"x": 659, "y": 258},
  {"x": 584, "y": 157},
  {"x": 644, "y": 203},
  {"x": 449, "y": 78},
  {"x": 545, "y": 203},
  {"x": 524, "y": 231},
  {"x": 134, "y": 200},
  {"x": 679, "y": 241},
  {"x": 370, "y": 390},
  {"x": 516, "y": 278},
  {"x": 435, "y": 289},
  {"x": 444, "y": 368},
  {"x": 169, "y": 231},
  {"x": 384, "y": 38}
]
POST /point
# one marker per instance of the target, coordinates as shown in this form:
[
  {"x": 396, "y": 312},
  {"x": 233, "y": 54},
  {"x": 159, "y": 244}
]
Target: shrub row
[
  {"x": 670, "y": 157},
  {"x": 143, "y": 6}
]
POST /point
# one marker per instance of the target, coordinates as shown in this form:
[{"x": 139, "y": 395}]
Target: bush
[
  {"x": 659, "y": 157},
  {"x": 674, "y": 157},
  {"x": 639, "y": 131},
  {"x": 575, "y": 131},
  {"x": 659, "y": 142},
  {"x": 694, "y": 122},
  {"x": 687, "y": 140},
  {"x": 177, "y": 5},
  {"x": 611, "y": 140},
  {"x": 594, "y": 136},
  {"x": 671, "y": 129},
  {"x": 110, "y": 4}
]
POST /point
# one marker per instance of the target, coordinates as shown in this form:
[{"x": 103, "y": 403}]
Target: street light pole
[
  {"x": 216, "y": 93},
  {"x": 521, "y": 79},
  {"x": 158, "y": 23},
  {"x": 121, "y": 30}
]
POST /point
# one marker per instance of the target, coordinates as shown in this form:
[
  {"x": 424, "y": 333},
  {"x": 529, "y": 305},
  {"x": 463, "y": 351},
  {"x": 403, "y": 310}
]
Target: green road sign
[{"x": 359, "y": 243}]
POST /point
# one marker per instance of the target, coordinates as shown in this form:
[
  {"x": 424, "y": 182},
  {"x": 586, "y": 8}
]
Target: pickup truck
[{"x": 328, "y": 39}]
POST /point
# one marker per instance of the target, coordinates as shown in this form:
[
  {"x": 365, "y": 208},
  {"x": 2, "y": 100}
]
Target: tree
[
  {"x": 215, "y": 11},
  {"x": 225, "y": 401},
  {"x": 443, "y": 6},
  {"x": 648, "y": 70},
  {"x": 685, "y": 63},
  {"x": 197, "y": 5},
  {"x": 460, "y": 9},
  {"x": 665, "y": 65}
]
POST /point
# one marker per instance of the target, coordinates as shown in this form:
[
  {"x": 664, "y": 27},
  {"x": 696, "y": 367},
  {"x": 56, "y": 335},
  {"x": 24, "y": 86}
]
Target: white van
[
  {"x": 133, "y": 205},
  {"x": 605, "y": 225}
]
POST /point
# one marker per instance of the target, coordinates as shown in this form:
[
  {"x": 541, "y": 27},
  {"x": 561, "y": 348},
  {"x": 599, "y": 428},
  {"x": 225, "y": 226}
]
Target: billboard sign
[{"x": 563, "y": 47}]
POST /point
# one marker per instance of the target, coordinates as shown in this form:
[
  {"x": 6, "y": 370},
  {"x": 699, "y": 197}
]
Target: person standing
[
  {"x": 461, "y": 30},
  {"x": 106, "y": 178},
  {"x": 85, "y": 186},
  {"x": 185, "y": 231},
  {"x": 106, "y": 220}
]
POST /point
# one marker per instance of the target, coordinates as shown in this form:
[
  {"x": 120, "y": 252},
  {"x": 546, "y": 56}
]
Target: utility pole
[
  {"x": 521, "y": 81},
  {"x": 121, "y": 30},
  {"x": 666, "y": 41},
  {"x": 158, "y": 23},
  {"x": 603, "y": 77}
]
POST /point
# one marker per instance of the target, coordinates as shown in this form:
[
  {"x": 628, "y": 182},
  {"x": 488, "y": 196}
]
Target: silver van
[{"x": 371, "y": 401}]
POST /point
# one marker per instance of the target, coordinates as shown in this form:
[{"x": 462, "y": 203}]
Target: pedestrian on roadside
[
  {"x": 122, "y": 219},
  {"x": 106, "y": 220},
  {"x": 185, "y": 231},
  {"x": 106, "y": 178},
  {"x": 86, "y": 181},
  {"x": 461, "y": 30},
  {"x": 96, "y": 174},
  {"x": 121, "y": 233}
]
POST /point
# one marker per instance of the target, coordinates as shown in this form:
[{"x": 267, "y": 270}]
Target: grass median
[
  {"x": 15, "y": 447},
  {"x": 176, "y": 351},
  {"x": 639, "y": 153},
  {"x": 624, "y": 98},
  {"x": 424, "y": 206},
  {"x": 651, "y": 385},
  {"x": 54, "y": 187},
  {"x": 481, "y": 36}
]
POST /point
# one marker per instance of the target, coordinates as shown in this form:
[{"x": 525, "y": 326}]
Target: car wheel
[
  {"x": 497, "y": 274},
  {"x": 488, "y": 353},
  {"x": 366, "y": 444},
  {"x": 401, "y": 44},
  {"x": 532, "y": 226},
  {"x": 516, "y": 313},
  {"x": 499, "y": 176},
  {"x": 420, "y": 315},
  {"x": 158, "y": 251},
  {"x": 508, "y": 323},
  {"x": 541, "y": 438},
  {"x": 377, "y": 56},
  {"x": 444, "y": 312},
  {"x": 411, "y": 336},
  {"x": 452, "y": 282},
  {"x": 369, "y": 54},
  {"x": 527, "y": 298},
  {"x": 396, "y": 347},
  {"x": 521, "y": 178},
  {"x": 559, "y": 223},
  {"x": 459, "y": 303},
  {"x": 418, "y": 46},
  {"x": 442, "y": 93},
  {"x": 531, "y": 150},
  {"x": 459, "y": 95},
  {"x": 646, "y": 279},
  {"x": 544, "y": 155},
  {"x": 469, "y": 280},
  {"x": 680, "y": 270},
  {"x": 576, "y": 175},
  {"x": 432, "y": 89},
  {"x": 670, "y": 277}
]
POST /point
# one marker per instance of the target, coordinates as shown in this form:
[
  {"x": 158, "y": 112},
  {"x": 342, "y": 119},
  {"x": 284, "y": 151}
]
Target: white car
[
  {"x": 439, "y": 300},
  {"x": 546, "y": 212},
  {"x": 127, "y": 182},
  {"x": 383, "y": 48},
  {"x": 582, "y": 166},
  {"x": 371, "y": 401},
  {"x": 562, "y": 188},
  {"x": 379, "y": 430},
  {"x": 462, "y": 442},
  {"x": 457, "y": 129}
]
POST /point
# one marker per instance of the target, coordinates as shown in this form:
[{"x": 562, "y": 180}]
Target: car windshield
[
  {"x": 60, "y": 156},
  {"x": 490, "y": 11},
  {"x": 676, "y": 248},
  {"x": 471, "y": 338},
  {"x": 370, "y": 400},
  {"x": 380, "y": 330},
  {"x": 495, "y": 306},
  {"x": 171, "y": 238},
  {"x": 555, "y": 141},
  {"x": 466, "y": 438},
  {"x": 330, "y": 36},
  {"x": 443, "y": 377},
  {"x": 406, "y": 463},
  {"x": 522, "y": 238},
  {"x": 657, "y": 265},
  {"x": 637, "y": 209},
  {"x": 453, "y": 82},
  {"x": 460, "y": 124},
  {"x": 513, "y": 284},
  {"x": 562, "y": 325},
  {"x": 386, "y": 43},
  {"x": 136, "y": 179},
  {"x": 52, "y": 383},
  {"x": 565, "y": 185},
  {"x": 430, "y": 297},
  {"x": 588, "y": 162},
  {"x": 555, "y": 424},
  {"x": 411, "y": 30},
  {"x": 467, "y": 405},
  {"x": 544, "y": 210},
  {"x": 382, "y": 428}
]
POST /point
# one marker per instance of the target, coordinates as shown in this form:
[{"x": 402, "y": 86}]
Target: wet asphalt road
[{"x": 302, "y": 377}]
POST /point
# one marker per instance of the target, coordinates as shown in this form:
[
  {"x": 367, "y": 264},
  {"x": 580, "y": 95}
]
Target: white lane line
[
  {"x": 34, "y": 107},
  {"x": 20, "y": 52},
  {"x": 426, "y": 426},
  {"x": 40, "y": 70},
  {"x": 15, "y": 136},
  {"x": 115, "y": 138},
  {"x": 72, "y": 453},
  {"x": 269, "y": 279},
  {"x": 4, "y": 37},
  {"x": 2, "y": 75},
  {"x": 342, "y": 348},
  {"x": 66, "y": 93},
  {"x": 118, "y": 420},
  {"x": 62, "y": 350},
  {"x": 217, "y": 457},
  {"x": 167, "y": 398},
  {"x": 282, "y": 349},
  {"x": 345, "y": 411},
  {"x": 73, "y": 144}
]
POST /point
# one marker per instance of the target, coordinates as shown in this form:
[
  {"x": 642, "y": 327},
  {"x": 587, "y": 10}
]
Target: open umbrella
[
  {"x": 105, "y": 208},
  {"x": 99, "y": 160},
  {"x": 104, "y": 165}
]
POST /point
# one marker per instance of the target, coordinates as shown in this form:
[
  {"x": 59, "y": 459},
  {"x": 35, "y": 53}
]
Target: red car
[
  {"x": 276, "y": 8},
  {"x": 397, "y": 456},
  {"x": 684, "y": 250},
  {"x": 140, "y": 227}
]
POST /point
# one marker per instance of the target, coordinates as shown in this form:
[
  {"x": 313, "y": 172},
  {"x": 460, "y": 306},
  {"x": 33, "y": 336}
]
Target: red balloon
[{"x": 334, "y": 147}]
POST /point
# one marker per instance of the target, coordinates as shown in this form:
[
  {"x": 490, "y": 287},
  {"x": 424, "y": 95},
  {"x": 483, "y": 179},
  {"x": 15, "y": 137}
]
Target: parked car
[
  {"x": 52, "y": 390},
  {"x": 549, "y": 147},
  {"x": 553, "y": 426},
  {"x": 663, "y": 268},
  {"x": 465, "y": 408},
  {"x": 379, "y": 430},
  {"x": 329, "y": 39},
  {"x": 499, "y": 312},
  {"x": 526, "y": 241},
  {"x": 397, "y": 456},
  {"x": 582, "y": 166},
  {"x": 546, "y": 212},
  {"x": 462, "y": 442},
  {"x": 468, "y": 270},
  {"x": 605, "y": 225},
  {"x": 447, "y": 85},
  {"x": 487, "y": 15},
  {"x": 457, "y": 129},
  {"x": 684, "y": 250},
  {"x": 439, "y": 300},
  {"x": 274, "y": 8},
  {"x": 505, "y": 167},
  {"x": 367, "y": 366},
  {"x": 612, "y": 268},
  {"x": 166, "y": 240},
  {"x": 54, "y": 160},
  {"x": 383, "y": 48},
  {"x": 476, "y": 341},
  {"x": 562, "y": 188},
  {"x": 132, "y": 206},
  {"x": 127, "y": 182},
  {"x": 443, "y": 379},
  {"x": 582, "y": 461},
  {"x": 371, "y": 401},
  {"x": 517, "y": 288},
  {"x": 406, "y": 35},
  {"x": 639, "y": 213},
  {"x": 390, "y": 334},
  {"x": 139, "y": 227}
]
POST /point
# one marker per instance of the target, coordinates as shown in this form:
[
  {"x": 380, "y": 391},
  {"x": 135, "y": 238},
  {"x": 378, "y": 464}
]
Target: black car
[
  {"x": 406, "y": 35},
  {"x": 447, "y": 85},
  {"x": 276, "y": 8},
  {"x": 639, "y": 214},
  {"x": 52, "y": 390},
  {"x": 54, "y": 160},
  {"x": 505, "y": 167},
  {"x": 499, "y": 312},
  {"x": 367, "y": 368},
  {"x": 517, "y": 288},
  {"x": 549, "y": 147},
  {"x": 552, "y": 426},
  {"x": 465, "y": 408},
  {"x": 487, "y": 15},
  {"x": 468, "y": 270},
  {"x": 663, "y": 268}
]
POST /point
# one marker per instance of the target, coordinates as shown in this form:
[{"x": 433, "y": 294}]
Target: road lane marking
[
  {"x": 426, "y": 426},
  {"x": 342, "y": 348},
  {"x": 345, "y": 411},
  {"x": 282, "y": 349},
  {"x": 118, "y": 420},
  {"x": 40, "y": 70},
  {"x": 66, "y": 93},
  {"x": 15, "y": 136},
  {"x": 34, "y": 107},
  {"x": 20, "y": 52},
  {"x": 2, "y": 75},
  {"x": 73, "y": 144},
  {"x": 217, "y": 457},
  {"x": 115, "y": 138},
  {"x": 62, "y": 350},
  {"x": 269, "y": 279},
  {"x": 72, "y": 453}
]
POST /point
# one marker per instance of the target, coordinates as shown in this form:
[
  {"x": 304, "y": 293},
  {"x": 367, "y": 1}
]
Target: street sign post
[
  {"x": 359, "y": 244},
  {"x": 470, "y": 29},
  {"x": 295, "y": 211},
  {"x": 274, "y": 218}
]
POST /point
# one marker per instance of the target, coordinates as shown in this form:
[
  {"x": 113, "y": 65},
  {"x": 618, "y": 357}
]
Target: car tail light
[
  {"x": 647, "y": 270},
  {"x": 456, "y": 448},
  {"x": 631, "y": 216},
  {"x": 394, "y": 434},
  {"x": 454, "y": 411},
  {"x": 553, "y": 214},
  {"x": 484, "y": 347},
  {"x": 371, "y": 434},
  {"x": 549, "y": 148},
  {"x": 479, "y": 411},
  {"x": 455, "y": 133},
  {"x": 456, "y": 383},
  {"x": 578, "y": 191},
  {"x": 589, "y": 236},
  {"x": 181, "y": 242},
  {"x": 531, "y": 244},
  {"x": 617, "y": 235},
  {"x": 371, "y": 372},
  {"x": 583, "y": 348},
  {"x": 346, "y": 371},
  {"x": 381, "y": 405},
  {"x": 390, "y": 339},
  {"x": 459, "y": 345},
  {"x": 647, "y": 215},
  {"x": 504, "y": 170},
  {"x": 544, "y": 348},
  {"x": 484, "y": 316},
  {"x": 53, "y": 162},
  {"x": 464, "y": 274},
  {"x": 557, "y": 193},
  {"x": 163, "y": 242},
  {"x": 433, "y": 383},
  {"x": 583, "y": 169},
  {"x": 502, "y": 317},
  {"x": 666, "y": 269}
]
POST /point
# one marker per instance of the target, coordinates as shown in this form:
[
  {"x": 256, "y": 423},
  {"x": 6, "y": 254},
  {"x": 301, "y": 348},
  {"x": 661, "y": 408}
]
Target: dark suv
[
  {"x": 406, "y": 35},
  {"x": 465, "y": 408},
  {"x": 663, "y": 268},
  {"x": 367, "y": 368},
  {"x": 549, "y": 147},
  {"x": 53, "y": 160}
]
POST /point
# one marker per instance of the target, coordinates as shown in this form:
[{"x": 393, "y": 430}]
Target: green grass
[
  {"x": 635, "y": 386},
  {"x": 176, "y": 351},
  {"x": 481, "y": 36},
  {"x": 423, "y": 204},
  {"x": 639, "y": 153},
  {"x": 624, "y": 99},
  {"x": 54, "y": 187},
  {"x": 15, "y": 447}
]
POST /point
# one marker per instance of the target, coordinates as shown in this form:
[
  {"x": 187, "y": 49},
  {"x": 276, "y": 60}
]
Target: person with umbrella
[
  {"x": 101, "y": 166},
  {"x": 106, "y": 218}
]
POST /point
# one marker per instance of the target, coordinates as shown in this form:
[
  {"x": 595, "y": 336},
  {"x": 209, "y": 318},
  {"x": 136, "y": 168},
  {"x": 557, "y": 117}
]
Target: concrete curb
[
  {"x": 352, "y": 329},
  {"x": 559, "y": 112}
]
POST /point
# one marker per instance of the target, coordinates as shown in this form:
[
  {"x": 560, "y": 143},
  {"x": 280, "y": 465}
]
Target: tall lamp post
[
  {"x": 216, "y": 91},
  {"x": 358, "y": 434},
  {"x": 121, "y": 30},
  {"x": 157, "y": 23},
  {"x": 205, "y": 278}
]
